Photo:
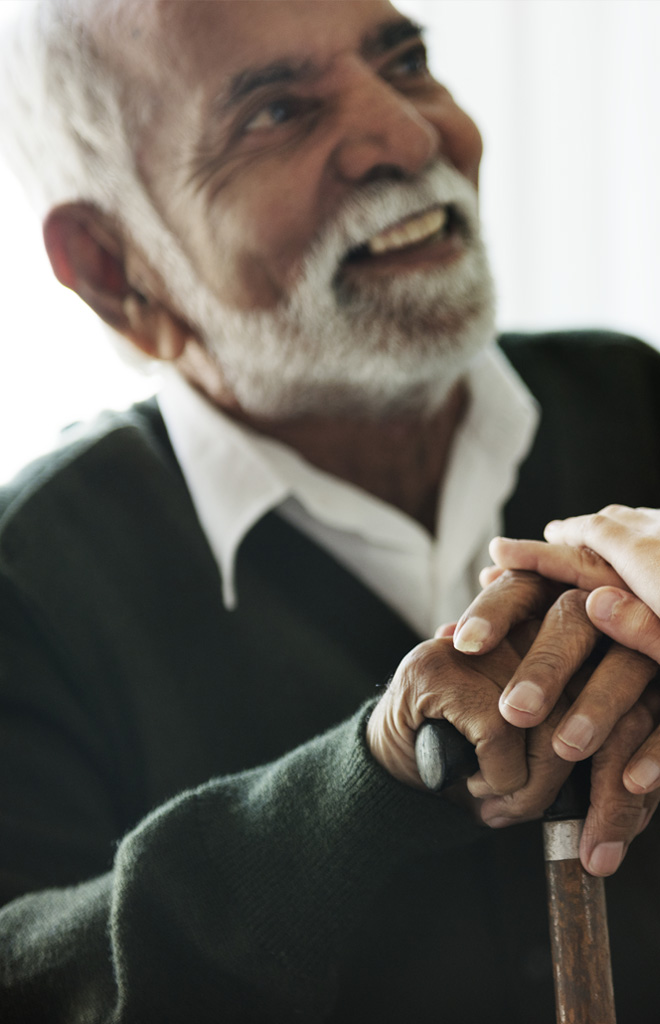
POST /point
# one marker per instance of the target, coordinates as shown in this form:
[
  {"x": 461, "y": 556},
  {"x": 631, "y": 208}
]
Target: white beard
[{"x": 389, "y": 345}]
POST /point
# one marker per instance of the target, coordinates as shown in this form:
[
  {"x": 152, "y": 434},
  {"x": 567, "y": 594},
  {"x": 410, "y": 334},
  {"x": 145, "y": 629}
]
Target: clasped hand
[{"x": 516, "y": 679}]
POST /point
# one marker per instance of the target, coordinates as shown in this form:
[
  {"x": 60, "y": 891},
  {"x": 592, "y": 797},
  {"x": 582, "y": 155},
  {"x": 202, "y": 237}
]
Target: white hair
[
  {"x": 66, "y": 131},
  {"x": 62, "y": 129}
]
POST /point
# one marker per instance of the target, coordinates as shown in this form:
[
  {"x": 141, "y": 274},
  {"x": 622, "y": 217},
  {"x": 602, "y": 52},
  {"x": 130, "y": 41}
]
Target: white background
[{"x": 567, "y": 94}]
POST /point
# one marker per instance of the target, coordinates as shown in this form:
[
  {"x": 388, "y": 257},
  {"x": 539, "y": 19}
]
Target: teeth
[{"x": 414, "y": 230}]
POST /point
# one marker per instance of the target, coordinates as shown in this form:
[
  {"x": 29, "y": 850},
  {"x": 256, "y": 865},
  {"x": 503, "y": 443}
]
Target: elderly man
[{"x": 206, "y": 813}]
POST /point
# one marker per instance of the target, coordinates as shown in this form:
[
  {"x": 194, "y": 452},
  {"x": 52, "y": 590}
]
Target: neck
[{"x": 401, "y": 459}]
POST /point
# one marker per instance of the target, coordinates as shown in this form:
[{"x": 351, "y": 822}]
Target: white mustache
[{"x": 382, "y": 204}]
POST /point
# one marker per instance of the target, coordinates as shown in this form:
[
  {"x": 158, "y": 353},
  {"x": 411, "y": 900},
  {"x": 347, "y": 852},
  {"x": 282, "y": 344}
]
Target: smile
[
  {"x": 410, "y": 232},
  {"x": 425, "y": 239},
  {"x": 414, "y": 231}
]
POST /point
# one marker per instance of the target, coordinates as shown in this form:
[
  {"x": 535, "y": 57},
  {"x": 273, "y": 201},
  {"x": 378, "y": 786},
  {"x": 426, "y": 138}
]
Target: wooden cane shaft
[
  {"x": 576, "y": 900},
  {"x": 580, "y": 945}
]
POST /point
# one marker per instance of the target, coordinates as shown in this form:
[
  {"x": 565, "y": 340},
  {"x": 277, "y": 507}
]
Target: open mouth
[{"x": 418, "y": 230}]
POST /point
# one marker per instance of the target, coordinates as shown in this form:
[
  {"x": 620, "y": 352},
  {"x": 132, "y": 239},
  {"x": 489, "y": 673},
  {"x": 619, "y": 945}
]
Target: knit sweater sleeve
[{"x": 239, "y": 898}]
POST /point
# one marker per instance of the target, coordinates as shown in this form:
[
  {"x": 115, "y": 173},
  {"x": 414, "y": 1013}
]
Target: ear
[{"x": 89, "y": 255}]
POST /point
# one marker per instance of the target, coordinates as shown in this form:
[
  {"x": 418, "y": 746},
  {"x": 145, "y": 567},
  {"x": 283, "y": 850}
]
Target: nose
[{"x": 382, "y": 133}]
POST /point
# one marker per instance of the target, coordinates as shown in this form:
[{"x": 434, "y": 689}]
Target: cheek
[
  {"x": 272, "y": 231},
  {"x": 253, "y": 245}
]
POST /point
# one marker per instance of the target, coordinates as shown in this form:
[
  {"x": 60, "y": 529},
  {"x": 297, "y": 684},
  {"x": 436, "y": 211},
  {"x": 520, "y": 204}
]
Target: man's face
[{"x": 303, "y": 144}]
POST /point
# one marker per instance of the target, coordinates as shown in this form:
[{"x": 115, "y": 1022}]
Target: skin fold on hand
[
  {"x": 613, "y": 705},
  {"x": 520, "y": 774}
]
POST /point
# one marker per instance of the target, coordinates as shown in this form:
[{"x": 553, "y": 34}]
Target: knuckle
[
  {"x": 637, "y": 723},
  {"x": 610, "y": 510},
  {"x": 515, "y": 806},
  {"x": 422, "y": 660},
  {"x": 591, "y": 559},
  {"x": 646, "y": 626},
  {"x": 620, "y": 681},
  {"x": 548, "y": 663},
  {"x": 621, "y": 816},
  {"x": 520, "y": 581},
  {"x": 524, "y": 804},
  {"x": 632, "y": 661},
  {"x": 526, "y": 592},
  {"x": 594, "y": 570},
  {"x": 650, "y": 698},
  {"x": 626, "y": 736},
  {"x": 571, "y": 604},
  {"x": 514, "y": 575},
  {"x": 422, "y": 681},
  {"x": 601, "y": 522},
  {"x": 510, "y": 789},
  {"x": 492, "y": 731},
  {"x": 502, "y": 760}
]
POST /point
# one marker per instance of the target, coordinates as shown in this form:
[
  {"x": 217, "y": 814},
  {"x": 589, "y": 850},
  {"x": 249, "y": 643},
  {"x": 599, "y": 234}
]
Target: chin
[{"x": 357, "y": 364}]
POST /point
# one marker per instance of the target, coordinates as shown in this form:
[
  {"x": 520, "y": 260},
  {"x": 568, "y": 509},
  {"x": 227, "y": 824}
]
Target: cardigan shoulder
[
  {"x": 599, "y": 437},
  {"x": 111, "y": 434}
]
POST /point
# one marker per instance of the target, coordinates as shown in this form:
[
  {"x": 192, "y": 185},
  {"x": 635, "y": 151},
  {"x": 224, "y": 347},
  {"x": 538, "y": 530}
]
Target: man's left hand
[{"x": 612, "y": 714}]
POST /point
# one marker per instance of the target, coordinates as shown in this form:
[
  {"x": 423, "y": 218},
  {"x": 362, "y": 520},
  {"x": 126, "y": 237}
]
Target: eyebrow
[
  {"x": 389, "y": 35},
  {"x": 385, "y": 37},
  {"x": 252, "y": 79}
]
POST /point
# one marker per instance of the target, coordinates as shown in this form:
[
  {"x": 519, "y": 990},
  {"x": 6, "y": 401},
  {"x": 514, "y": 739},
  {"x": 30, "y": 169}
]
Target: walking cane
[{"x": 579, "y": 935}]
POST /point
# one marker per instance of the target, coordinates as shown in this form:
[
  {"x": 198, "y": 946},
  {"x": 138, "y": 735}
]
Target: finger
[
  {"x": 470, "y": 704},
  {"x": 642, "y": 773},
  {"x": 488, "y": 575},
  {"x": 626, "y": 619},
  {"x": 615, "y": 815},
  {"x": 513, "y": 598},
  {"x": 445, "y": 630},
  {"x": 627, "y": 538},
  {"x": 606, "y": 526},
  {"x": 651, "y": 802},
  {"x": 611, "y": 690},
  {"x": 546, "y": 774},
  {"x": 564, "y": 641},
  {"x": 577, "y": 566}
]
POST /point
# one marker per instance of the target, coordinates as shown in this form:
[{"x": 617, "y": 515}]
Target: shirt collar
[{"x": 235, "y": 475}]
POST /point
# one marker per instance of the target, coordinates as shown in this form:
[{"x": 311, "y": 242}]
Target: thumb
[{"x": 626, "y": 619}]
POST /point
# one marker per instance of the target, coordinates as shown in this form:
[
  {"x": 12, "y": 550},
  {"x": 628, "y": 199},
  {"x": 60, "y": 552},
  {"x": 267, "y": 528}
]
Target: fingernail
[
  {"x": 472, "y": 635},
  {"x": 499, "y": 822},
  {"x": 578, "y": 732},
  {"x": 645, "y": 773},
  {"x": 604, "y": 603},
  {"x": 606, "y": 858},
  {"x": 527, "y": 697}
]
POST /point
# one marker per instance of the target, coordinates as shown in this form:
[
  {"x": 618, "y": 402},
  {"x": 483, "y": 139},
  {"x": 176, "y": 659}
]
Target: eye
[
  {"x": 413, "y": 63},
  {"x": 271, "y": 115}
]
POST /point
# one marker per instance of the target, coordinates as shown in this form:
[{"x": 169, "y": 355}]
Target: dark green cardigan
[{"x": 191, "y": 828}]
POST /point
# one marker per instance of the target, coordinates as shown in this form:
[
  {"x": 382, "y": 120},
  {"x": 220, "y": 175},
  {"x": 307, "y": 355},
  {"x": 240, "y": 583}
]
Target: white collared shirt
[{"x": 235, "y": 476}]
